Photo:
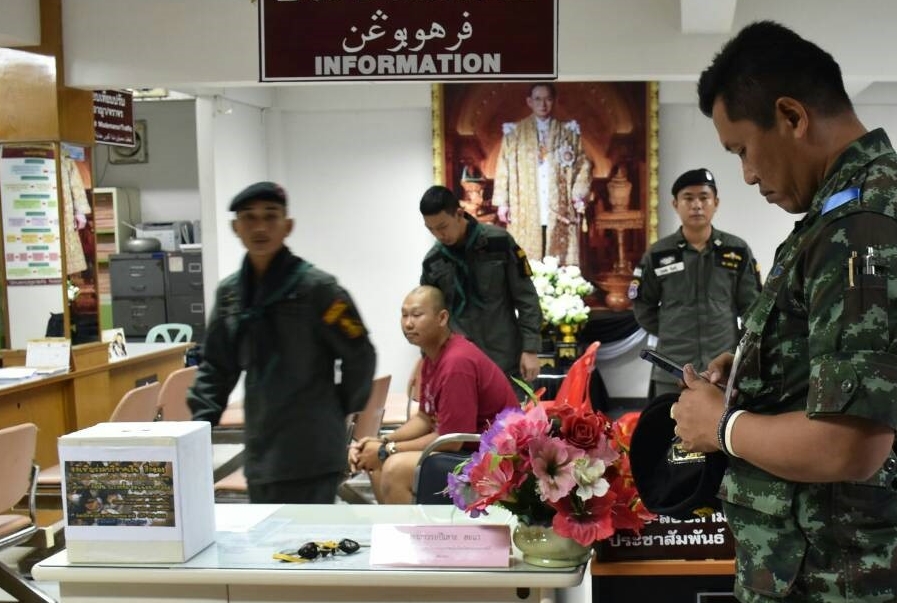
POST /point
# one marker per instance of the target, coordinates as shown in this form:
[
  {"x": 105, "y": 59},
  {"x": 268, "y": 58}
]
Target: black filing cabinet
[
  {"x": 184, "y": 292},
  {"x": 154, "y": 288}
]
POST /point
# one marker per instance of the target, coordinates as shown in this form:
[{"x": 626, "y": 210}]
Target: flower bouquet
[
  {"x": 561, "y": 290},
  {"x": 554, "y": 465}
]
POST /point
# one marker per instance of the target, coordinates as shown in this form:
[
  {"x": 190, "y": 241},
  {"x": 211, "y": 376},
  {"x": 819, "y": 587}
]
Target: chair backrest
[
  {"x": 170, "y": 332},
  {"x": 137, "y": 405},
  {"x": 433, "y": 467},
  {"x": 367, "y": 422},
  {"x": 173, "y": 394},
  {"x": 18, "y": 444}
]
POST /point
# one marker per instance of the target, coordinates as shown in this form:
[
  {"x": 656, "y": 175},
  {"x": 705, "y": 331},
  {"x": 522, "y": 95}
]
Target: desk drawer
[
  {"x": 138, "y": 315},
  {"x": 136, "y": 277}
]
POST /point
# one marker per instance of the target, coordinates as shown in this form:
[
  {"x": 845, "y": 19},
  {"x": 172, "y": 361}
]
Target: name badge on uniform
[{"x": 669, "y": 268}]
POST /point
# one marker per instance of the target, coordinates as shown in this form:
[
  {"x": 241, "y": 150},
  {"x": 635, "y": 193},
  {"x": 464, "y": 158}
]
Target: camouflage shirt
[{"x": 825, "y": 344}]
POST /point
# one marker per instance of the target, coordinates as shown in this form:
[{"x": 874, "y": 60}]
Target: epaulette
[
  {"x": 840, "y": 198},
  {"x": 497, "y": 244}
]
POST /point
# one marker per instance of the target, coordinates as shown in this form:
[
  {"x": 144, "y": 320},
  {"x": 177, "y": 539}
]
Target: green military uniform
[
  {"x": 691, "y": 299},
  {"x": 821, "y": 339},
  {"x": 488, "y": 290},
  {"x": 286, "y": 332}
]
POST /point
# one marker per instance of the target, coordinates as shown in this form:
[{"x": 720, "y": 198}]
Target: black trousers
[{"x": 317, "y": 490}]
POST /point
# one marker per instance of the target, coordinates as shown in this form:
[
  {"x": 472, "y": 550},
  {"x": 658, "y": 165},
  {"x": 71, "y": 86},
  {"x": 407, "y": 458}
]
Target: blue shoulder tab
[{"x": 840, "y": 198}]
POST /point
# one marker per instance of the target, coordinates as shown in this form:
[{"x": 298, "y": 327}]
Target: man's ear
[
  {"x": 443, "y": 317},
  {"x": 233, "y": 226},
  {"x": 289, "y": 225},
  {"x": 792, "y": 115}
]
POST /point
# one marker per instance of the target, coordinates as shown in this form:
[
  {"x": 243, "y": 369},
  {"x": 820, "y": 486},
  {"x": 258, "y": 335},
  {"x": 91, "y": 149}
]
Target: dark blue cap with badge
[
  {"x": 260, "y": 191},
  {"x": 699, "y": 176}
]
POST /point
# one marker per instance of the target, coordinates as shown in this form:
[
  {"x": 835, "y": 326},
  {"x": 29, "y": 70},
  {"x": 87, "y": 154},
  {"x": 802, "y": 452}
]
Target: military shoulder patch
[{"x": 522, "y": 262}]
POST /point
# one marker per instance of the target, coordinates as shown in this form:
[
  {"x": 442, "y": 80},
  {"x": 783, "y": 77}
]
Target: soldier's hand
[
  {"x": 504, "y": 214},
  {"x": 697, "y": 413},
  {"x": 718, "y": 369},
  {"x": 529, "y": 366}
]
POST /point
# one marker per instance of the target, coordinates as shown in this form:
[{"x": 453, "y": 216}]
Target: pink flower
[
  {"x": 555, "y": 463},
  {"x": 590, "y": 522},
  {"x": 552, "y": 462},
  {"x": 520, "y": 429},
  {"x": 492, "y": 481}
]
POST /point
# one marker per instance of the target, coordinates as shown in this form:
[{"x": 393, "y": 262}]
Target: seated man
[{"x": 461, "y": 391}]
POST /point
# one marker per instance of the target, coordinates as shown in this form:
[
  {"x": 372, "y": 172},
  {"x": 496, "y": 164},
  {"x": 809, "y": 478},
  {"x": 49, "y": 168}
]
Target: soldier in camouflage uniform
[{"x": 809, "y": 414}]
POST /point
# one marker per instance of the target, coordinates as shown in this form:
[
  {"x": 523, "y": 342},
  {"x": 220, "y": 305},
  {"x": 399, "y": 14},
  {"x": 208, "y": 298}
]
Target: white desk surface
[{"x": 247, "y": 535}]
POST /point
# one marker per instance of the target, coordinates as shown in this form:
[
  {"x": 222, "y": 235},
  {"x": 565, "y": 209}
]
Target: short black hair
[
  {"x": 549, "y": 85},
  {"x": 437, "y": 199},
  {"x": 764, "y": 62}
]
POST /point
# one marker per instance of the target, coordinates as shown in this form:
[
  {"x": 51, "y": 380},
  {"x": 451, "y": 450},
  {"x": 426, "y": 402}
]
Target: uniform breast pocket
[
  {"x": 491, "y": 278},
  {"x": 677, "y": 289},
  {"x": 722, "y": 284}
]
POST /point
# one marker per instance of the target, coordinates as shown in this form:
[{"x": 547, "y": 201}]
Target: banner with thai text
[{"x": 433, "y": 40}]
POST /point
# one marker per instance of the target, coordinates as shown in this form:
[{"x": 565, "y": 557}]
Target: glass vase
[{"x": 542, "y": 546}]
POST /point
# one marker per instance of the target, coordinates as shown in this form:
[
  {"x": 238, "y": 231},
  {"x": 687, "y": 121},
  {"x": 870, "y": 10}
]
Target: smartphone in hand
[{"x": 670, "y": 365}]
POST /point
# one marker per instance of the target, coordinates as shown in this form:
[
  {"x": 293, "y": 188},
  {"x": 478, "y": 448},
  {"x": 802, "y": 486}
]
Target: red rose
[{"x": 583, "y": 430}]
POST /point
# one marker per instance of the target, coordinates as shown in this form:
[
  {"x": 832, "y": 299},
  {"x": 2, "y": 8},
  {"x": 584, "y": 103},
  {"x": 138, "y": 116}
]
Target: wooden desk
[
  {"x": 63, "y": 403},
  {"x": 238, "y": 567},
  {"x": 665, "y": 567}
]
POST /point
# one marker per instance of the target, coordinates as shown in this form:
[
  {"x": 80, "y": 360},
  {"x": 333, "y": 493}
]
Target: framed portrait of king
[{"x": 569, "y": 168}]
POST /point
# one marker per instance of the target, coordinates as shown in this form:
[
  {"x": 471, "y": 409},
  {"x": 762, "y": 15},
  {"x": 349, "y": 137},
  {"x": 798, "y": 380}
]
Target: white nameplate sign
[{"x": 440, "y": 545}]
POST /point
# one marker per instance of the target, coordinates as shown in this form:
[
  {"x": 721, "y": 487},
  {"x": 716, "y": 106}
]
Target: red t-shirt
[{"x": 463, "y": 390}]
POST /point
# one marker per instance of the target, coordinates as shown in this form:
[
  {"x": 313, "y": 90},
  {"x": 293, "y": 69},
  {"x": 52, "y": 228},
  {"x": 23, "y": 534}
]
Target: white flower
[
  {"x": 560, "y": 290},
  {"x": 589, "y": 476}
]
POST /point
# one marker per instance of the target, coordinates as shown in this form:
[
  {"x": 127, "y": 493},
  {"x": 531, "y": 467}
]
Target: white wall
[
  {"x": 356, "y": 157},
  {"x": 168, "y": 181}
]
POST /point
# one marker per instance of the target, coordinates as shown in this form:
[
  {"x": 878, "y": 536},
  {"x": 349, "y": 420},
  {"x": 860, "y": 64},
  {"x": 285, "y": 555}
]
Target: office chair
[
  {"x": 433, "y": 467},
  {"x": 170, "y": 332},
  {"x": 137, "y": 405},
  {"x": 18, "y": 480},
  {"x": 172, "y": 403}
]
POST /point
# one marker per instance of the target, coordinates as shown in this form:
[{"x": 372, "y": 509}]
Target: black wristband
[{"x": 721, "y": 429}]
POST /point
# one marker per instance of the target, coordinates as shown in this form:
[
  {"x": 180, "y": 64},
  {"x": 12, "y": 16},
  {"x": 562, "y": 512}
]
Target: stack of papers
[
  {"x": 49, "y": 355},
  {"x": 16, "y": 373},
  {"x": 46, "y": 356}
]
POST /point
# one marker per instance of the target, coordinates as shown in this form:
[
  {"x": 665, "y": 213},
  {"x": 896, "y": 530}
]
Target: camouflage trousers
[{"x": 816, "y": 543}]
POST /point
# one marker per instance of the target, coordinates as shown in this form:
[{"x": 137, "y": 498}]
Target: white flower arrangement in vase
[{"x": 561, "y": 290}]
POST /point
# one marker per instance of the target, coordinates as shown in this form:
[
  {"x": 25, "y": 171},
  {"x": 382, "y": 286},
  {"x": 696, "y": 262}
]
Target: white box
[
  {"x": 166, "y": 232},
  {"x": 138, "y": 492}
]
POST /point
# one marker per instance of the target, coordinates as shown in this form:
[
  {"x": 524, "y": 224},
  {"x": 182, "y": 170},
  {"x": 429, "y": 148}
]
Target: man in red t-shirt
[{"x": 461, "y": 391}]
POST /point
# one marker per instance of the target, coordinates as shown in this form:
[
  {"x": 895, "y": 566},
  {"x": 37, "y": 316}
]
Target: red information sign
[
  {"x": 407, "y": 40},
  {"x": 113, "y": 117}
]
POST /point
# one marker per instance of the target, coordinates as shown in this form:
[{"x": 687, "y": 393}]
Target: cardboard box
[
  {"x": 668, "y": 538},
  {"x": 138, "y": 492}
]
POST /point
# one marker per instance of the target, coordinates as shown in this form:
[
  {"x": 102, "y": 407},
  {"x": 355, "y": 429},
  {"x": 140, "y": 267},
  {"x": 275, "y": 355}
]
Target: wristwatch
[{"x": 385, "y": 450}]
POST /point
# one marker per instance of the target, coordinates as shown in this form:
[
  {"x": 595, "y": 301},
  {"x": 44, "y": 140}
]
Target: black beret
[
  {"x": 669, "y": 480},
  {"x": 692, "y": 177},
  {"x": 260, "y": 191}
]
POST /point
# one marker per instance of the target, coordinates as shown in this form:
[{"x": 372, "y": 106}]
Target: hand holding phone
[{"x": 671, "y": 366}]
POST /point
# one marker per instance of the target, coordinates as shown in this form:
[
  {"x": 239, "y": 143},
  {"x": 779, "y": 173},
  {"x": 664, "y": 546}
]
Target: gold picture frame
[{"x": 619, "y": 133}]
